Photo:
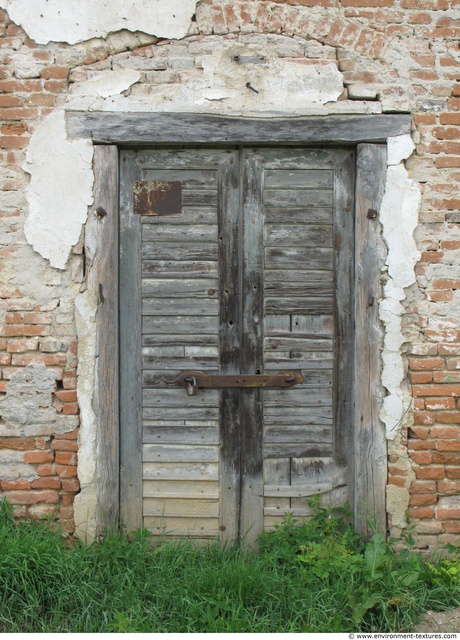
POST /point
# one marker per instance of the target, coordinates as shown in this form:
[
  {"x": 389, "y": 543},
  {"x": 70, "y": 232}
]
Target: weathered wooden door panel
[{"x": 254, "y": 275}]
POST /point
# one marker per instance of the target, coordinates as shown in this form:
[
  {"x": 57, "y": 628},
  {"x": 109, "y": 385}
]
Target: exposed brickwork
[{"x": 402, "y": 54}]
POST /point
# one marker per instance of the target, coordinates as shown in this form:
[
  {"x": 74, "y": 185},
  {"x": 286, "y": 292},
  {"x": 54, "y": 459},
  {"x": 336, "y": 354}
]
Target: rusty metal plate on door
[
  {"x": 157, "y": 197},
  {"x": 194, "y": 380}
]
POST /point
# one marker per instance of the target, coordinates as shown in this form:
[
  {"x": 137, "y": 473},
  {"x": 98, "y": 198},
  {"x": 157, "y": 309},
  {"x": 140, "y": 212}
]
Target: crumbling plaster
[{"x": 79, "y": 20}]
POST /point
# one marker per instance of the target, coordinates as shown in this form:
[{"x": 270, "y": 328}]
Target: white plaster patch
[
  {"x": 399, "y": 217},
  {"x": 220, "y": 86},
  {"x": 28, "y": 400},
  {"x": 59, "y": 191},
  {"x": 79, "y": 20},
  {"x": 107, "y": 83},
  {"x": 85, "y": 501},
  {"x": 399, "y": 148}
]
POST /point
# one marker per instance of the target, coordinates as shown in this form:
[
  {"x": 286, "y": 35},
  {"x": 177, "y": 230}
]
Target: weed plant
[{"x": 315, "y": 576}]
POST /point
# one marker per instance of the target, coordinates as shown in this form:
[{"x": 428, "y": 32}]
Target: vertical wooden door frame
[{"x": 369, "y": 467}]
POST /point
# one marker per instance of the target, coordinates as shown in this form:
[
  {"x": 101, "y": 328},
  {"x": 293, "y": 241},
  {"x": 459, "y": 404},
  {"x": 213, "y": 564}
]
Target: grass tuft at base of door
[{"x": 315, "y": 576}]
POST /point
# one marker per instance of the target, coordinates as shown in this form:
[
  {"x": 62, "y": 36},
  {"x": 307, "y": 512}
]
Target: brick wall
[{"x": 402, "y": 55}]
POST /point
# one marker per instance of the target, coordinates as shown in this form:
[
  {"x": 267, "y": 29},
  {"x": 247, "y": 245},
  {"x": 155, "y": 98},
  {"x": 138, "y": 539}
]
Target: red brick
[
  {"x": 66, "y": 395},
  {"x": 449, "y": 445},
  {"x": 33, "y": 497},
  {"x": 422, "y": 433},
  {"x": 71, "y": 485},
  {"x": 426, "y": 363},
  {"x": 423, "y": 417},
  {"x": 421, "y": 18},
  {"x": 367, "y": 3},
  {"x": 45, "y": 470},
  {"x": 66, "y": 471},
  {"x": 423, "y": 486},
  {"x": 430, "y": 473},
  {"x": 70, "y": 408},
  {"x": 55, "y": 72},
  {"x": 439, "y": 296},
  {"x": 445, "y": 162},
  {"x": 437, "y": 404},
  {"x": 15, "y": 485},
  {"x": 49, "y": 360},
  {"x": 446, "y": 133},
  {"x": 20, "y": 86},
  {"x": 446, "y": 376},
  {"x": 423, "y": 500},
  {"x": 430, "y": 5},
  {"x": 25, "y": 330},
  {"x": 449, "y": 118},
  {"x": 42, "y": 511},
  {"x": 446, "y": 458},
  {"x": 449, "y": 487},
  {"x": 66, "y": 457},
  {"x": 452, "y": 527},
  {"x": 17, "y": 444},
  {"x": 46, "y": 483},
  {"x": 38, "y": 456},
  {"x": 421, "y": 457},
  {"x": 56, "y": 86},
  {"x": 421, "y": 512},
  {"x": 397, "y": 482},
  {"x": 421, "y": 445},
  {"x": 436, "y": 390},
  {"x": 448, "y": 417},
  {"x": 70, "y": 435},
  {"x": 64, "y": 445},
  {"x": 20, "y": 346},
  {"x": 453, "y": 473},
  {"x": 444, "y": 513},
  {"x": 445, "y": 432}
]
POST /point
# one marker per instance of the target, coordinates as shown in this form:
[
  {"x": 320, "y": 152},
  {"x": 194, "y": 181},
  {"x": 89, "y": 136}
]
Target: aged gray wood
[
  {"x": 305, "y": 235},
  {"x": 298, "y": 178},
  {"x": 183, "y": 325},
  {"x": 180, "y": 288},
  {"x": 151, "y": 128},
  {"x": 293, "y": 434},
  {"x": 180, "y": 307},
  {"x": 176, "y": 507},
  {"x": 101, "y": 244},
  {"x": 130, "y": 350},
  {"x": 181, "y": 471},
  {"x": 179, "y": 269},
  {"x": 173, "y": 339},
  {"x": 278, "y": 472},
  {"x": 179, "y": 453},
  {"x": 296, "y": 215},
  {"x": 180, "y": 488},
  {"x": 230, "y": 230},
  {"x": 185, "y": 251},
  {"x": 370, "y": 444},
  {"x": 177, "y": 233},
  {"x": 296, "y": 491},
  {"x": 252, "y": 358},
  {"x": 321, "y": 305},
  {"x": 298, "y": 258},
  {"x": 298, "y": 197},
  {"x": 190, "y": 215},
  {"x": 180, "y": 434},
  {"x": 307, "y": 449}
]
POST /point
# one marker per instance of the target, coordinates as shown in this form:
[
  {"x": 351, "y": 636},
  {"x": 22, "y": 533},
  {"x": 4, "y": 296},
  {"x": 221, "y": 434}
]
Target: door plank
[
  {"x": 251, "y": 519},
  {"x": 370, "y": 442},
  {"x": 229, "y": 217},
  {"x": 130, "y": 354},
  {"x": 101, "y": 244}
]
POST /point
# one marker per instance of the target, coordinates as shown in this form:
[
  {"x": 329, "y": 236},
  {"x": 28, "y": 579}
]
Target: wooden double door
[{"x": 235, "y": 261}]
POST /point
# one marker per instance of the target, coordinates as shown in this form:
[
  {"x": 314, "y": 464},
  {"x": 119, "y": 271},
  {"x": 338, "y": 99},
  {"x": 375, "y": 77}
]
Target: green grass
[{"x": 307, "y": 577}]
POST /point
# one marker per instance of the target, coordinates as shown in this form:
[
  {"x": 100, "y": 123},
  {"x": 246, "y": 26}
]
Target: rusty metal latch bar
[{"x": 194, "y": 380}]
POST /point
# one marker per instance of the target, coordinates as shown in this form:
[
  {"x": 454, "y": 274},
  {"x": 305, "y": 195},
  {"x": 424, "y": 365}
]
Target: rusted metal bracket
[{"x": 194, "y": 380}]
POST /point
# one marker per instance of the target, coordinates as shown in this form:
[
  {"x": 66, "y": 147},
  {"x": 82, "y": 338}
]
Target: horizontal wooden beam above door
[{"x": 170, "y": 128}]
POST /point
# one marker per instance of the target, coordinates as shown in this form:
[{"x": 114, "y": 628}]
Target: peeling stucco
[
  {"x": 399, "y": 217},
  {"x": 27, "y": 408},
  {"x": 59, "y": 191},
  {"x": 85, "y": 501},
  {"x": 79, "y": 20}
]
